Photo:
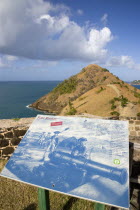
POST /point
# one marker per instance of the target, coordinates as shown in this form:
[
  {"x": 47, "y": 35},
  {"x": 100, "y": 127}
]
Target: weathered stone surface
[
  {"x": 20, "y": 132},
  {"x": 10, "y": 128},
  {"x": 131, "y": 128},
  {"x": 9, "y": 134},
  {"x": 137, "y": 128},
  {"x": 131, "y": 121},
  {"x": 4, "y": 143},
  {"x": 1, "y": 136},
  {"x": 137, "y": 139},
  {"x": 132, "y": 133},
  {"x": 8, "y": 150},
  {"x": 137, "y": 122},
  {"x": 15, "y": 141},
  {"x": 131, "y": 138}
]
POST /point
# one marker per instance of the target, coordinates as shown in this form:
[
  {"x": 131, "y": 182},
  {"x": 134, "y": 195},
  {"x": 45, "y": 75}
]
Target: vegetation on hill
[{"x": 81, "y": 93}]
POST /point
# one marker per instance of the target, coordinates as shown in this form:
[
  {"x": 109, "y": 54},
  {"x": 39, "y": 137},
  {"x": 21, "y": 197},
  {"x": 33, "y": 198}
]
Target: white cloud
[
  {"x": 123, "y": 61},
  {"x": 40, "y": 30},
  {"x": 104, "y": 19},
  {"x": 2, "y": 64},
  {"x": 80, "y": 12},
  {"x": 11, "y": 58}
]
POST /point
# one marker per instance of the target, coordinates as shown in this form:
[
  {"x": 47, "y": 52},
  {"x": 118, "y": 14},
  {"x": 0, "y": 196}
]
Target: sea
[{"x": 16, "y": 96}]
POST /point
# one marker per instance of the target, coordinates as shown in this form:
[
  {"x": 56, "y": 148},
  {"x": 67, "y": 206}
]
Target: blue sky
[{"x": 43, "y": 40}]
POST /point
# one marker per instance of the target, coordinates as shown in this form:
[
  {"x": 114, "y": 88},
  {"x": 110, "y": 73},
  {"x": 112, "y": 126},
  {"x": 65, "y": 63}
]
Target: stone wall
[
  {"x": 10, "y": 136},
  {"x": 9, "y": 140}
]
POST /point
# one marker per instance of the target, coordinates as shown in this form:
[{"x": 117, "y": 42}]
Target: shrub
[
  {"x": 138, "y": 114},
  {"x": 72, "y": 110},
  {"x": 101, "y": 89},
  {"x": 113, "y": 106},
  {"x": 115, "y": 113},
  {"x": 16, "y": 119},
  {"x": 67, "y": 86},
  {"x": 104, "y": 78},
  {"x": 105, "y": 70},
  {"x": 123, "y": 101}
]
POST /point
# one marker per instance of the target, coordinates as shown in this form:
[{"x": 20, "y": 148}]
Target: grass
[
  {"x": 19, "y": 196},
  {"x": 67, "y": 86},
  {"x": 100, "y": 90},
  {"x": 16, "y": 119}
]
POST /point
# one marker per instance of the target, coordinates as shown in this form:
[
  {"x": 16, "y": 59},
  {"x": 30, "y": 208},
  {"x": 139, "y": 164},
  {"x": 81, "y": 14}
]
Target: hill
[
  {"x": 94, "y": 90},
  {"x": 135, "y": 82}
]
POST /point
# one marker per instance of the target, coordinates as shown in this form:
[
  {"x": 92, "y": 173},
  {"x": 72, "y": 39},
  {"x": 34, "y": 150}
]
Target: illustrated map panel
[{"x": 82, "y": 157}]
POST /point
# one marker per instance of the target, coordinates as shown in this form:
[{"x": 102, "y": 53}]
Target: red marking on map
[{"x": 56, "y": 123}]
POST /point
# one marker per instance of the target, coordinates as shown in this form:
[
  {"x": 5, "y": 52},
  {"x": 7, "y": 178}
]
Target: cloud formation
[
  {"x": 80, "y": 12},
  {"x": 104, "y": 19},
  {"x": 123, "y": 61},
  {"x": 40, "y": 30}
]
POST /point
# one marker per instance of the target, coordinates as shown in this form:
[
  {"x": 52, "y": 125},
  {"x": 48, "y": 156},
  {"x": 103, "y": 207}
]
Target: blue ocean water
[{"x": 15, "y": 96}]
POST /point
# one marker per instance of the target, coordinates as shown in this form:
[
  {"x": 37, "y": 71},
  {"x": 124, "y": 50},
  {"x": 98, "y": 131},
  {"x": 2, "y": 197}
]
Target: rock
[
  {"x": 15, "y": 141},
  {"x": 4, "y": 143},
  {"x": 1, "y": 136},
  {"x": 9, "y": 134},
  {"x": 8, "y": 150},
  {"x": 20, "y": 132}
]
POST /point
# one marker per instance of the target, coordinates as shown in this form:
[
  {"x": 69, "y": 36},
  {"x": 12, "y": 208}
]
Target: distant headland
[{"x": 135, "y": 82}]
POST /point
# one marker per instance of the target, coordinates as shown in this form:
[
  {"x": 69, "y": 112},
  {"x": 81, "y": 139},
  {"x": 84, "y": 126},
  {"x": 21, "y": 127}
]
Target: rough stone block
[
  {"x": 4, "y": 143},
  {"x": 137, "y": 139},
  {"x": 1, "y": 136},
  {"x": 15, "y": 141},
  {"x": 7, "y": 151},
  {"x": 9, "y": 134},
  {"x": 132, "y": 133},
  {"x": 19, "y": 132},
  {"x": 137, "y": 128},
  {"x": 137, "y": 122},
  {"x": 10, "y": 128},
  {"x": 132, "y": 138},
  {"x": 131, "y": 121}
]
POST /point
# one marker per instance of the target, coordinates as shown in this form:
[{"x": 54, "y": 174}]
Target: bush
[
  {"x": 115, "y": 113},
  {"x": 105, "y": 70},
  {"x": 67, "y": 86},
  {"x": 138, "y": 114},
  {"x": 104, "y": 78},
  {"x": 72, "y": 110},
  {"x": 113, "y": 106},
  {"x": 101, "y": 89}
]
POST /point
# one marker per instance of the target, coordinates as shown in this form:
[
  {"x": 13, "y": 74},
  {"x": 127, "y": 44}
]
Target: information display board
[{"x": 82, "y": 157}]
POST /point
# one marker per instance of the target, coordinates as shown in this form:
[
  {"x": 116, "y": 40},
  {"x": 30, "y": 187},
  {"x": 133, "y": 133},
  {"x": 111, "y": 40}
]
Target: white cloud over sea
[{"x": 41, "y": 30}]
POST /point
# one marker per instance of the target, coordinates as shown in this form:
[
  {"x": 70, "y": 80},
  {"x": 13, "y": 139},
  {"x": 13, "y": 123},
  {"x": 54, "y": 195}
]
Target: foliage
[
  {"x": 105, "y": 70},
  {"x": 123, "y": 101},
  {"x": 67, "y": 86},
  {"x": 16, "y": 119},
  {"x": 72, "y": 110},
  {"x": 113, "y": 106},
  {"x": 137, "y": 95},
  {"x": 100, "y": 90},
  {"x": 115, "y": 113},
  {"x": 104, "y": 78},
  {"x": 138, "y": 114}
]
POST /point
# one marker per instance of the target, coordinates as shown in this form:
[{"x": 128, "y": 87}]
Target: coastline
[{"x": 39, "y": 110}]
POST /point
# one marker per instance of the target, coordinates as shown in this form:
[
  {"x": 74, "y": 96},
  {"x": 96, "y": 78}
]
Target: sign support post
[{"x": 43, "y": 197}]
